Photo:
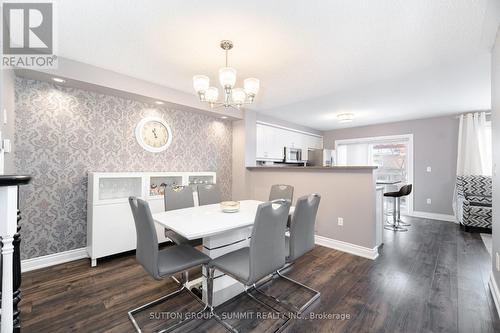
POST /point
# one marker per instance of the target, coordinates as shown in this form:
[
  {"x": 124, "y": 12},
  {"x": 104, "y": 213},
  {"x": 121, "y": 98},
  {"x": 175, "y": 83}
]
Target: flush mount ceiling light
[
  {"x": 58, "y": 80},
  {"x": 233, "y": 97},
  {"x": 159, "y": 103},
  {"x": 345, "y": 117}
]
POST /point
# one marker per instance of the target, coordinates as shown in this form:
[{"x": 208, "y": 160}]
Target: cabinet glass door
[
  {"x": 200, "y": 180},
  {"x": 119, "y": 188}
]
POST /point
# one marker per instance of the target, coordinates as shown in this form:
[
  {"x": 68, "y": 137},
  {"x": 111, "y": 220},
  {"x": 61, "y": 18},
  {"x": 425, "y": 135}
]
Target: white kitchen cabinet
[
  {"x": 110, "y": 225},
  {"x": 271, "y": 141},
  {"x": 260, "y": 143},
  {"x": 317, "y": 142}
]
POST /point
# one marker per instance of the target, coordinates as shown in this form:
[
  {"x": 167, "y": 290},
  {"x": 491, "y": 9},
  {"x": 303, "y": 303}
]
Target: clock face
[{"x": 153, "y": 134}]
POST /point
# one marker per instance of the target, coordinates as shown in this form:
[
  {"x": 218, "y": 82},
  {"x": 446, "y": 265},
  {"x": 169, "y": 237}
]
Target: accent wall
[{"x": 62, "y": 133}]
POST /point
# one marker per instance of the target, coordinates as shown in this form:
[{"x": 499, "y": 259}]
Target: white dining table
[{"x": 221, "y": 233}]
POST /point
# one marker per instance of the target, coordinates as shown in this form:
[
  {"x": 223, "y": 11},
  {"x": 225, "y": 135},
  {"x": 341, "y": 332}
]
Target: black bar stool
[{"x": 397, "y": 224}]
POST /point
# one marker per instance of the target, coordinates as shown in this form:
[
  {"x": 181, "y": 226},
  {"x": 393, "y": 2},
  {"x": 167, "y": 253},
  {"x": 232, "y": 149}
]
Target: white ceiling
[{"x": 383, "y": 60}]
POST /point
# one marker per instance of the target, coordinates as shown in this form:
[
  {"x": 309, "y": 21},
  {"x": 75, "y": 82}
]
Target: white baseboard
[
  {"x": 53, "y": 259},
  {"x": 361, "y": 251},
  {"x": 434, "y": 216},
  {"x": 494, "y": 291}
]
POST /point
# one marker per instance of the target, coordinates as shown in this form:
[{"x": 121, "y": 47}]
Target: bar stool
[{"x": 397, "y": 224}]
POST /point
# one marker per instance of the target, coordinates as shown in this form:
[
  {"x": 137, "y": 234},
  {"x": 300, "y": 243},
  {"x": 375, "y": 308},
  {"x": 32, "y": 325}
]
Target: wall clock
[{"x": 153, "y": 134}]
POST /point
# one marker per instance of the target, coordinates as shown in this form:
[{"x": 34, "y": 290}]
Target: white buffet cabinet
[
  {"x": 272, "y": 139},
  {"x": 110, "y": 225}
]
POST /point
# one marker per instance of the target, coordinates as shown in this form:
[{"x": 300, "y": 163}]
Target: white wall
[
  {"x": 7, "y": 97},
  {"x": 495, "y": 118}
]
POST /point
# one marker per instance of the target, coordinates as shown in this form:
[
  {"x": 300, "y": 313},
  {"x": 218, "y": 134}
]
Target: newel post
[{"x": 11, "y": 270}]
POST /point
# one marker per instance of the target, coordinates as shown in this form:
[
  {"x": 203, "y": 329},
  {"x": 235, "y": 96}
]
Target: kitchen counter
[
  {"x": 315, "y": 168},
  {"x": 349, "y": 215}
]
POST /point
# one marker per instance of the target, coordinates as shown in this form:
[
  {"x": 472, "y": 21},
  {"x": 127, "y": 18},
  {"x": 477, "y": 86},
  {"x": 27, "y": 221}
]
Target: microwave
[{"x": 293, "y": 155}]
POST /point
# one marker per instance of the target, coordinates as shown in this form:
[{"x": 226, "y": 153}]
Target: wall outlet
[
  {"x": 429, "y": 201},
  {"x": 340, "y": 221},
  {"x": 498, "y": 262},
  {"x": 429, "y": 169}
]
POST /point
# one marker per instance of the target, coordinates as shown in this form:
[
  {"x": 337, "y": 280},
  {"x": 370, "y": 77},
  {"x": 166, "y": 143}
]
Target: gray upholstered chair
[
  {"x": 161, "y": 263},
  {"x": 177, "y": 198},
  {"x": 280, "y": 191},
  {"x": 300, "y": 241},
  {"x": 266, "y": 253},
  {"x": 208, "y": 194}
]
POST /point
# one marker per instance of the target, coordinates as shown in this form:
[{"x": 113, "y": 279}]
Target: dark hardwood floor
[{"x": 433, "y": 278}]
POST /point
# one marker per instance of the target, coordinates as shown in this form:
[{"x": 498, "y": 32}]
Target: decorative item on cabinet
[{"x": 158, "y": 184}]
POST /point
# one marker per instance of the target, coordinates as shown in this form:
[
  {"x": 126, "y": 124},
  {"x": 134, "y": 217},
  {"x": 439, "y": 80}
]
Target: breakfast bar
[{"x": 350, "y": 216}]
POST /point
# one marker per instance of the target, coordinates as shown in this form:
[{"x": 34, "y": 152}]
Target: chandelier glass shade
[{"x": 231, "y": 97}]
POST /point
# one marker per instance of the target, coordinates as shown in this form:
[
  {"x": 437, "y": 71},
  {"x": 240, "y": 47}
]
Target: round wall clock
[{"x": 153, "y": 134}]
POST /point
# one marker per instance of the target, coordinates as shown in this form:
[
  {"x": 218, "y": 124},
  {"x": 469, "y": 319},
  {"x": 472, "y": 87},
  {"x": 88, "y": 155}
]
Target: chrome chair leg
[
  {"x": 401, "y": 222},
  {"x": 183, "y": 287},
  {"x": 395, "y": 226},
  {"x": 210, "y": 289},
  {"x": 269, "y": 307},
  {"x": 287, "y": 305},
  {"x": 227, "y": 326}
]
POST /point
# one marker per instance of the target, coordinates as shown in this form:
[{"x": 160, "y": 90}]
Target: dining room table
[{"x": 221, "y": 232}]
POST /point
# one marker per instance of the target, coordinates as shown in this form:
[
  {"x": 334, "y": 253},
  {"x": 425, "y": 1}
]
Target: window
[{"x": 392, "y": 154}]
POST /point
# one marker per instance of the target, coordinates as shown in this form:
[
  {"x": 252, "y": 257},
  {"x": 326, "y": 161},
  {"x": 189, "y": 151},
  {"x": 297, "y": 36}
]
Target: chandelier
[{"x": 233, "y": 97}]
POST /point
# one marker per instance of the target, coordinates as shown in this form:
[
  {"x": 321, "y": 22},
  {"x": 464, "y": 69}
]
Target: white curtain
[
  {"x": 474, "y": 145},
  {"x": 474, "y": 148}
]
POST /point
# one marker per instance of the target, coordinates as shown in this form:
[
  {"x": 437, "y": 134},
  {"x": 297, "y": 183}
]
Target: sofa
[{"x": 474, "y": 201}]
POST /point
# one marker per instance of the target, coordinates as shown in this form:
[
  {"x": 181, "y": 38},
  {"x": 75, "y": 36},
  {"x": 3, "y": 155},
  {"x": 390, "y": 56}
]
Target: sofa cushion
[
  {"x": 480, "y": 211},
  {"x": 477, "y": 185},
  {"x": 479, "y": 200}
]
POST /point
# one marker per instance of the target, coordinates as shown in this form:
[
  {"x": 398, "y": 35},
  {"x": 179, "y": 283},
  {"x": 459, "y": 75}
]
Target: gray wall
[
  {"x": 336, "y": 201},
  {"x": 435, "y": 145},
  {"x": 495, "y": 118},
  {"x": 63, "y": 133},
  {"x": 7, "y": 96}
]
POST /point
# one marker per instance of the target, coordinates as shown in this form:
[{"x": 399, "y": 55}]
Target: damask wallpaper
[{"x": 63, "y": 133}]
